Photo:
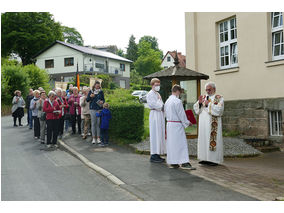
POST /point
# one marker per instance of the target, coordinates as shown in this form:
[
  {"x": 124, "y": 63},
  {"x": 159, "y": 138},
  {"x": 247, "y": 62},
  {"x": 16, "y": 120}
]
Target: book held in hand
[
  {"x": 98, "y": 102},
  {"x": 190, "y": 116}
]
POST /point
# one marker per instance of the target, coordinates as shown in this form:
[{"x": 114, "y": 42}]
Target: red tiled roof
[{"x": 181, "y": 58}]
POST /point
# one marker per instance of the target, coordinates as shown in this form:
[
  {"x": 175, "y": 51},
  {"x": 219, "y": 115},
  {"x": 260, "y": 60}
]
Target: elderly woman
[
  {"x": 63, "y": 106},
  {"x": 42, "y": 119},
  {"x": 75, "y": 110},
  {"x": 85, "y": 111},
  {"x": 52, "y": 109},
  {"x": 34, "y": 108},
  {"x": 96, "y": 99},
  {"x": 18, "y": 107}
]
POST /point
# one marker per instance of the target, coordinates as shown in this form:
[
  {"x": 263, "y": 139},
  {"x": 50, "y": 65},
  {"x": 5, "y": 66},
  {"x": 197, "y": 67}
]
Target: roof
[
  {"x": 181, "y": 58},
  {"x": 86, "y": 50},
  {"x": 180, "y": 73}
]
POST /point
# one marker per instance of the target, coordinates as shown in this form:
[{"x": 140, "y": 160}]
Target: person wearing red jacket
[
  {"x": 75, "y": 110},
  {"x": 52, "y": 110},
  {"x": 64, "y": 107}
]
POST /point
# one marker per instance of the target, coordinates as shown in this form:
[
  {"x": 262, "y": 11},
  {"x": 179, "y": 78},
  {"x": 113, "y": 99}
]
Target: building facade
[
  {"x": 61, "y": 59},
  {"x": 169, "y": 59},
  {"x": 243, "y": 53}
]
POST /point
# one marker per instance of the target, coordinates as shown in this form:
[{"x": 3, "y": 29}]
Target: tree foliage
[
  {"x": 72, "y": 36},
  {"x": 37, "y": 77},
  {"x": 154, "y": 43},
  {"x": 132, "y": 49},
  {"x": 26, "y": 33},
  {"x": 149, "y": 60}
]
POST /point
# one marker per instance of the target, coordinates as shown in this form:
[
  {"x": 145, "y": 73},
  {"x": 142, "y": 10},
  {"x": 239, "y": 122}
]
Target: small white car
[{"x": 141, "y": 94}]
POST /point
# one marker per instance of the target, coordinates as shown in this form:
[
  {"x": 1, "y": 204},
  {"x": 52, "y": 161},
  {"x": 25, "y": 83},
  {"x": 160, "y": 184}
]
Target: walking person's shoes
[
  {"x": 48, "y": 146},
  {"x": 42, "y": 141},
  {"x": 203, "y": 162},
  {"x": 187, "y": 166},
  {"x": 173, "y": 166},
  {"x": 55, "y": 146},
  {"x": 161, "y": 158},
  {"x": 89, "y": 134},
  {"x": 102, "y": 145},
  {"x": 212, "y": 164},
  {"x": 20, "y": 124},
  {"x": 156, "y": 159},
  {"x": 84, "y": 136},
  {"x": 99, "y": 141},
  {"x": 94, "y": 141},
  {"x": 15, "y": 125}
]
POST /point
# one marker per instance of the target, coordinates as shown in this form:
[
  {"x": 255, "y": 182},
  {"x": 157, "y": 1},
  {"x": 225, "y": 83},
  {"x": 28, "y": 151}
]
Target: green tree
[
  {"x": 72, "y": 36},
  {"x": 37, "y": 77},
  {"x": 13, "y": 78},
  {"x": 135, "y": 77},
  {"x": 149, "y": 60},
  {"x": 120, "y": 52},
  {"x": 26, "y": 33},
  {"x": 154, "y": 43},
  {"x": 132, "y": 50}
]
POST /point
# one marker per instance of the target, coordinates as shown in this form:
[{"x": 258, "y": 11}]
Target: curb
[{"x": 91, "y": 165}]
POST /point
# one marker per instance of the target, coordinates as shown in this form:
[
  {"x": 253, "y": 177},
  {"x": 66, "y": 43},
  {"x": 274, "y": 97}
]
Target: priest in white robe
[
  {"x": 210, "y": 108},
  {"x": 156, "y": 122},
  {"x": 177, "y": 148}
]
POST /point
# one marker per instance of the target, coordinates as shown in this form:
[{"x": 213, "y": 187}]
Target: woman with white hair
[
  {"x": 75, "y": 110},
  {"x": 34, "y": 108},
  {"x": 63, "y": 106},
  {"x": 52, "y": 109},
  {"x": 18, "y": 107}
]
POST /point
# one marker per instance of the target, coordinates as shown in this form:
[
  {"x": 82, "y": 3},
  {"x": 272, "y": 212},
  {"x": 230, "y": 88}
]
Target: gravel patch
[{"x": 233, "y": 147}]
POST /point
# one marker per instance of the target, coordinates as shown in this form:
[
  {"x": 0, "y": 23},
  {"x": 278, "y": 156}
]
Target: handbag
[{"x": 43, "y": 116}]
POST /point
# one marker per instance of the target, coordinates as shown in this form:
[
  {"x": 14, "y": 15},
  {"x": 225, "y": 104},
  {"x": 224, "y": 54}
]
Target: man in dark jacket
[{"x": 29, "y": 111}]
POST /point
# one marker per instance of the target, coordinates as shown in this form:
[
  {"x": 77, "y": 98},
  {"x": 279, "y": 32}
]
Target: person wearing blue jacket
[
  {"x": 96, "y": 99},
  {"x": 105, "y": 118}
]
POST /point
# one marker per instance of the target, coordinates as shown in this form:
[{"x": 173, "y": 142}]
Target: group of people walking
[
  {"x": 47, "y": 114},
  {"x": 170, "y": 139}
]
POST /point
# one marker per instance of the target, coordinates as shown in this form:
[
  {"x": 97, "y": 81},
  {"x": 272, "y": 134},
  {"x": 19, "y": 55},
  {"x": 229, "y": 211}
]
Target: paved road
[
  {"x": 151, "y": 181},
  {"x": 29, "y": 173}
]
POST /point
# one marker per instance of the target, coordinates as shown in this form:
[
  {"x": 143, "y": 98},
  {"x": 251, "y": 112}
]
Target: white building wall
[
  {"x": 166, "y": 63},
  {"x": 58, "y": 52}
]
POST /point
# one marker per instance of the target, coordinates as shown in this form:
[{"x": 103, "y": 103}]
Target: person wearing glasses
[{"x": 210, "y": 108}]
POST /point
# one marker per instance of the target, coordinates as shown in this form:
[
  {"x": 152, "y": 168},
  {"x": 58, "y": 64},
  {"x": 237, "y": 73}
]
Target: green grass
[{"x": 146, "y": 123}]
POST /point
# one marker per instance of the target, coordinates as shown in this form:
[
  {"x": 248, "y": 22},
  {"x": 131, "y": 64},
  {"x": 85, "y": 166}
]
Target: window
[
  {"x": 49, "y": 63},
  {"x": 122, "y": 67},
  {"x": 168, "y": 58},
  {"x": 98, "y": 65},
  {"x": 165, "y": 67},
  {"x": 68, "y": 62},
  {"x": 277, "y": 36},
  {"x": 275, "y": 121},
  {"x": 228, "y": 43}
]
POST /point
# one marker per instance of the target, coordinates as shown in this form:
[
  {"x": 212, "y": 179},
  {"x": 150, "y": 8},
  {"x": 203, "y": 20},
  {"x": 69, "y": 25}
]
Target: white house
[
  {"x": 60, "y": 60},
  {"x": 169, "y": 59}
]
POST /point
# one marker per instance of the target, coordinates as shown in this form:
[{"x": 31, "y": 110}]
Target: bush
[
  {"x": 127, "y": 121},
  {"x": 140, "y": 87},
  {"x": 13, "y": 78},
  {"x": 38, "y": 77}
]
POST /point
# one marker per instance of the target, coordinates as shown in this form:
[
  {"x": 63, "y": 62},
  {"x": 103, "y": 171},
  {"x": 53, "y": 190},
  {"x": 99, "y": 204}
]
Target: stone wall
[{"x": 251, "y": 117}]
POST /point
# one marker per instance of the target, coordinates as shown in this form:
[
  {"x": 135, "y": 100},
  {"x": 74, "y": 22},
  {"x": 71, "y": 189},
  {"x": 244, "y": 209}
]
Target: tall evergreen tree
[{"x": 132, "y": 49}]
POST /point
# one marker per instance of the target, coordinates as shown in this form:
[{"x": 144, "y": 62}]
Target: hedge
[
  {"x": 140, "y": 87},
  {"x": 127, "y": 123}
]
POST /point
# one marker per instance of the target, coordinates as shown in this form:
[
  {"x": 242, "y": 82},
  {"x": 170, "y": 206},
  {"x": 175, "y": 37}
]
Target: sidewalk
[{"x": 150, "y": 181}]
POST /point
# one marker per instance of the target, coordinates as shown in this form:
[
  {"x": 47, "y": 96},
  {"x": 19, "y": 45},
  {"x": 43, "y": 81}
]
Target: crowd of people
[{"x": 51, "y": 114}]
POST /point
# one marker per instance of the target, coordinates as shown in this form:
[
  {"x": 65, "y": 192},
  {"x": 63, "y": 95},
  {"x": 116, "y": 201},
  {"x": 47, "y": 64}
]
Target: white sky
[{"x": 110, "y": 22}]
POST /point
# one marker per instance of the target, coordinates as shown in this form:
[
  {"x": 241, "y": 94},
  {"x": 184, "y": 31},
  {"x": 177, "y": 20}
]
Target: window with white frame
[
  {"x": 168, "y": 58},
  {"x": 275, "y": 123},
  {"x": 277, "y": 35},
  {"x": 228, "y": 53}
]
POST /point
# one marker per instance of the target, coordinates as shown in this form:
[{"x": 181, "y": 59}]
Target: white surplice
[
  {"x": 177, "y": 149},
  {"x": 156, "y": 123},
  {"x": 204, "y": 131}
]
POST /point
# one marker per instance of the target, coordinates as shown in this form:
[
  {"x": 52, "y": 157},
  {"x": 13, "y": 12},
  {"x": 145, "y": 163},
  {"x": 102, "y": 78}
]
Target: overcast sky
[{"x": 111, "y": 22}]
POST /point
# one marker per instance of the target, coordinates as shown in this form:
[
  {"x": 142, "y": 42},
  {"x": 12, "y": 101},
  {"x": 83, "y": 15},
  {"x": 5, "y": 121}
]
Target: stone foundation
[{"x": 251, "y": 118}]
